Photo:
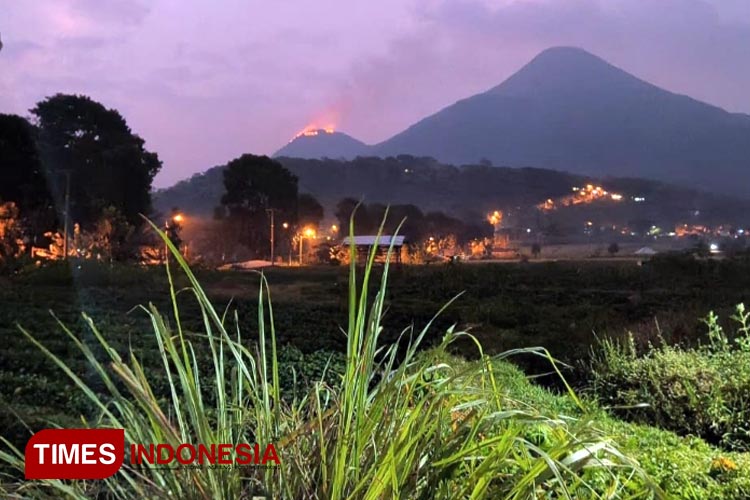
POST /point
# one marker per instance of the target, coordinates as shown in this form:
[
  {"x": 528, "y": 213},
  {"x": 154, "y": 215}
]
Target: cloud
[{"x": 462, "y": 47}]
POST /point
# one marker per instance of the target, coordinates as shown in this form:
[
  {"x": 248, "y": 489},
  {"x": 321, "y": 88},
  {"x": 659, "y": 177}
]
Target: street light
[{"x": 307, "y": 232}]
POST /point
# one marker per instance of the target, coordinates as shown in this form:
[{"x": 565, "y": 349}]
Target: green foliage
[
  {"x": 704, "y": 391},
  {"x": 254, "y": 184},
  {"x": 309, "y": 211},
  {"x": 108, "y": 164},
  {"x": 415, "y": 224},
  {"x": 22, "y": 178},
  {"x": 684, "y": 467},
  {"x": 399, "y": 424}
]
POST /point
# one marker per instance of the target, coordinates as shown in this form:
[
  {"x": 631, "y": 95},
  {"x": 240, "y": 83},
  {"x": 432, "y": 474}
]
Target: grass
[
  {"x": 701, "y": 390},
  {"x": 401, "y": 423},
  {"x": 684, "y": 467}
]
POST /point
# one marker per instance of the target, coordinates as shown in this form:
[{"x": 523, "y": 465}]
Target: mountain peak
[
  {"x": 567, "y": 51},
  {"x": 566, "y": 69},
  {"x": 322, "y": 143}
]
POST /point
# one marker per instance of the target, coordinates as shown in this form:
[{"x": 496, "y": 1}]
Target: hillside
[
  {"x": 468, "y": 192},
  {"x": 323, "y": 144},
  {"x": 570, "y": 110}
]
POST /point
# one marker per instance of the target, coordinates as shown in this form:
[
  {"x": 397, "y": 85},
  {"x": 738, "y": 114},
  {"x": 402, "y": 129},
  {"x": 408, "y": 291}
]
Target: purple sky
[{"x": 203, "y": 82}]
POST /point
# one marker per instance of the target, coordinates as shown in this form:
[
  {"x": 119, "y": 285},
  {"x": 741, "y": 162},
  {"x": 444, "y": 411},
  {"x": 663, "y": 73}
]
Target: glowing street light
[
  {"x": 307, "y": 232},
  {"x": 285, "y": 225},
  {"x": 178, "y": 218}
]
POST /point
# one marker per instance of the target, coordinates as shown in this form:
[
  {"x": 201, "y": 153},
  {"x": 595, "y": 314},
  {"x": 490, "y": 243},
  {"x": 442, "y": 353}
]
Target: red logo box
[{"x": 74, "y": 453}]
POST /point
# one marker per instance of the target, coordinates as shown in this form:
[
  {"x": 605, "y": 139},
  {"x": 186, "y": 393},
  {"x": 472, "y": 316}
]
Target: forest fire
[
  {"x": 313, "y": 130},
  {"x": 585, "y": 195}
]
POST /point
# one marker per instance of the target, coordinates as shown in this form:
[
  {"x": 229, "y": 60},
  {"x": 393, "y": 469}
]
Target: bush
[
  {"x": 685, "y": 468},
  {"x": 703, "y": 391},
  {"x": 430, "y": 426}
]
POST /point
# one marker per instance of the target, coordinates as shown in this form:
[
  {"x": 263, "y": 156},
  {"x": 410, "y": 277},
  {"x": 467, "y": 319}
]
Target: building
[{"x": 382, "y": 243}]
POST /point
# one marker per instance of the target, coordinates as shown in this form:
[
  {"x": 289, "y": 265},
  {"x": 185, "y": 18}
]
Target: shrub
[
  {"x": 428, "y": 426},
  {"x": 704, "y": 391}
]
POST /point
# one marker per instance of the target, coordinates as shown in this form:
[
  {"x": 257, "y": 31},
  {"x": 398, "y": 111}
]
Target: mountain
[
  {"x": 322, "y": 143},
  {"x": 570, "y": 110}
]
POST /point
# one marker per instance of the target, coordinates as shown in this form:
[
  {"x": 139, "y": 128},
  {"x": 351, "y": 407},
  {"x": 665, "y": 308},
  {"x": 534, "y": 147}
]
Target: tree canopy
[
  {"x": 22, "y": 178},
  {"x": 253, "y": 185},
  {"x": 107, "y": 163},
  {"x": 309, "y": 210}
]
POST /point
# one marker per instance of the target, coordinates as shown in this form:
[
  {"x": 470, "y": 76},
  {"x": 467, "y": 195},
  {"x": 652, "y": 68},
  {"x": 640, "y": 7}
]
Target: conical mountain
[
  {"x": 570, "y": 110},
  {"x": 323, "y": 144}
]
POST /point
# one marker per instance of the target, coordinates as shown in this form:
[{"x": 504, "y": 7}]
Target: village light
[
  {"x": 309, "y": 232},
  {"x": 335, "y": 228},
  {"x": 178, "y": 218},
  {"x": 285, "y": 225}
]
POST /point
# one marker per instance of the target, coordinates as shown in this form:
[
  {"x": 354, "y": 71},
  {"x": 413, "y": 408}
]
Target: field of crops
[{"x": 560, "y": 306}]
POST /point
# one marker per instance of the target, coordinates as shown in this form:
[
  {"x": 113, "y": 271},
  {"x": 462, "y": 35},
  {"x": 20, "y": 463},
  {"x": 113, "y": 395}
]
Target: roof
[
  {"x": 646, "y": 251},
  {"x": 384, "y": 240}
]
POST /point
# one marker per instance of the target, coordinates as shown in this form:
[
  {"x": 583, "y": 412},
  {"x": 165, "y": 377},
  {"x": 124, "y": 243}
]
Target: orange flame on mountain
[{"x": 313, "y": 130}]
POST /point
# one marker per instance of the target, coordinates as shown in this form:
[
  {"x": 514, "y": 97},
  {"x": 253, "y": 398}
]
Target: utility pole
[
  {"x": 301, "y": 243},
  {"x": 273, "y": 262},
  {"x": 67, "y": 213}
]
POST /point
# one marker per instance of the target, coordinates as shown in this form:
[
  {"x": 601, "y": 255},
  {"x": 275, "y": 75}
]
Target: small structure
[
  {"x": 384, "y": 242},
  {"x": 646, "y": 252}
]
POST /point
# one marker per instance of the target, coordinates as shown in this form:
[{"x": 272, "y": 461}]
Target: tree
[
  {"x": 22, "y": 178},
  {"x": 253, "y": 185},
  {"x": 309, "y": 211},
  {"x": 107, "y": 163},
  {"x": 613, "y": 248},
  {"x": 344, "y": 210},
  {"x": 112, "y": 236}
]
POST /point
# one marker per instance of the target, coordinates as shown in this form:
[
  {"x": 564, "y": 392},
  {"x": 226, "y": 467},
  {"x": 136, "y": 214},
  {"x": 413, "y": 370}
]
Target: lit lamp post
[
  {"x": 308, "y": 232},
  {"x": 172, "y": 227},
  {"x": 285, "y": 225}
]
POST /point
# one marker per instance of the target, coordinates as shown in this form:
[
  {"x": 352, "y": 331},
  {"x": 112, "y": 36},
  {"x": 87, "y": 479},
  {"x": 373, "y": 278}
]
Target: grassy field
[{"x": 560, "y": 306}]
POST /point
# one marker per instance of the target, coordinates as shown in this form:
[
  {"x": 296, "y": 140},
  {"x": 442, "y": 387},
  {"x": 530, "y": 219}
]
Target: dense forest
[{"x": 468, "y": 192}]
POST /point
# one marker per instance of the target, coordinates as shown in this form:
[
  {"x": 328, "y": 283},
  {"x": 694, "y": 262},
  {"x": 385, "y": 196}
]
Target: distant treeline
[{"x": 466, "y": 192}]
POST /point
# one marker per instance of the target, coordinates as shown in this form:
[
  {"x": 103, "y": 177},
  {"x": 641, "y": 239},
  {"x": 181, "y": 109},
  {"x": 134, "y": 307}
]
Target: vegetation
[
  {"x": 412, "y": 424},
  {"x": 703, "y": 391},
  {"x": 506, "y": 306},
  {"x": 685, "y": 468},
  {"x": 107, "y": 163},
  {"x": 469, "y": 192},
  {"x": 418, "y": 225}
]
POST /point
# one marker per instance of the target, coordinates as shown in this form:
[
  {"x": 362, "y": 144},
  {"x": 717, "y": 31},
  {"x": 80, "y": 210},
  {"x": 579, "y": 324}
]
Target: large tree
[
  {"x": 107, "y": 163},
  {"x": 254, "y": 185},
  {"x": 22, "y": 177},
  {"x": 309, "y": 211}
]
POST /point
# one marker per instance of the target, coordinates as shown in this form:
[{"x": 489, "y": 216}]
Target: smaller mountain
[{"x": 323, "y": 143}]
